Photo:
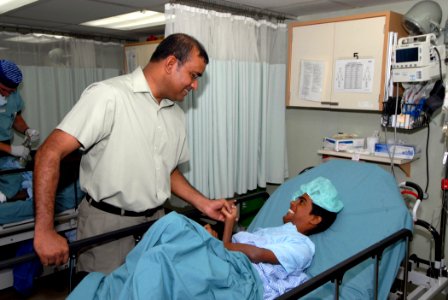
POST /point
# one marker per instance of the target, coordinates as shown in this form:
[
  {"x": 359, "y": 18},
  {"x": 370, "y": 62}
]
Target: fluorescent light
[
  {"x": 130, "y": 21},
  {"x": 7, "y": 5}
]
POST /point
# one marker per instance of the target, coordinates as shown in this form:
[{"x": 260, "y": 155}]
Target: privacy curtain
[
  {"x": 55, "y": 72},
  {"x": 236, "y": 118}
]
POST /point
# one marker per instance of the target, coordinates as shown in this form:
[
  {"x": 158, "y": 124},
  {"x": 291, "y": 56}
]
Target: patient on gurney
[
  {"x": 281, "y": 254},
  {"x": 178, "y": 259},
  {"x": 17, "y": 186}
]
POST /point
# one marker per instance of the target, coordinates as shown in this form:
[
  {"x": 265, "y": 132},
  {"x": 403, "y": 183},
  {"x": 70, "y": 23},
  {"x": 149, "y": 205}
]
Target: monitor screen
[{"x": 406, "y": 55}]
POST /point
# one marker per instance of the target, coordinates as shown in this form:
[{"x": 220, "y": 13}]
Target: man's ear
[
  {"x": 170, "y": 63},
  {"x": 316, "y": 220}
]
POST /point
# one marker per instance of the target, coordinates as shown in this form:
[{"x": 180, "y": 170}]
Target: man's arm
[
  {"x": 51, "y": 248},
  {"x": 182, "y": 188},
  {"x": 254, "y": 253}
]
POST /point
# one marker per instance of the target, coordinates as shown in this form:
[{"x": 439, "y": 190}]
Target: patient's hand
[
  {"x": 230, "y": 215},
  {"x": 210, "y": 230}
]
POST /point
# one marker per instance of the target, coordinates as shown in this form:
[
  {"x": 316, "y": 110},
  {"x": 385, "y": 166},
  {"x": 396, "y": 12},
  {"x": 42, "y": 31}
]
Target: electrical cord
[
  {"x": 427, "y": 159},
  {"x": 392, "y": 155},
  {"x": 440, "y": 63},
  {"x": 428, "y": 125}
]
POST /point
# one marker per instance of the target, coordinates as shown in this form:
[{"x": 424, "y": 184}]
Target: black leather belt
[{"x": 109, "y": 208}]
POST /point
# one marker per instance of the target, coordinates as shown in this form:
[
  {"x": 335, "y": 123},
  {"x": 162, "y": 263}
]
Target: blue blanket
[{"x": 176, "y": 259}]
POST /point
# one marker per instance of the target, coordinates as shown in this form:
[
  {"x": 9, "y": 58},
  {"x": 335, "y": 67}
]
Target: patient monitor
[{"x": 418, "y": 58}]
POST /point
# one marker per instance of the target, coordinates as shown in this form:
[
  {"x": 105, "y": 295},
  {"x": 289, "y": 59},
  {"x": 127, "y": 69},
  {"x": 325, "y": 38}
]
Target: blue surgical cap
[
  {"x": 10, "y": 74},
  {"x": 323, "y": 193}
]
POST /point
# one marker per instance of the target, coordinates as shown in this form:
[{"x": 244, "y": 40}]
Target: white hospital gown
[{"x": 293, "y": 250}]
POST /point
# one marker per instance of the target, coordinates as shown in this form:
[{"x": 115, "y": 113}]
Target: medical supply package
[
  {"x": 343, "y": 144},
  {"x": 398, "y": 151}
]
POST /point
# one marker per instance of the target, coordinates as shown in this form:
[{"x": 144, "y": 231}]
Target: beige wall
[{"x": 307, "y": 127}]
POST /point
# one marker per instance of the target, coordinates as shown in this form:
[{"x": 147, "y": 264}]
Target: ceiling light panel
[
  {"x": 130, "y": 21},
  {"x": 7, "y": 5}
]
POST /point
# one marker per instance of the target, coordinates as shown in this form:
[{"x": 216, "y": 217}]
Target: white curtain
[
  {"x": 236, "y": 119},
  {"x": 55, "y": 72}
]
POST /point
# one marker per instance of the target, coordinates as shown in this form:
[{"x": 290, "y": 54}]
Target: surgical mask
[{"x": 3, "y": 100}]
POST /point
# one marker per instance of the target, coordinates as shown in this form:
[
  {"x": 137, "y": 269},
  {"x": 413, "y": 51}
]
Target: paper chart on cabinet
[
  {"x": 354, "y": 75},
  {"x": 311, "y": 80}
]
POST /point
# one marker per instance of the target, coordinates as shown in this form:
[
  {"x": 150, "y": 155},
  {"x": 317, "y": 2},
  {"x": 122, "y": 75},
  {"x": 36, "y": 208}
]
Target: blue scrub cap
[
  {"x": 323, "y": 193},
  {"x": 10, "y": 74}
]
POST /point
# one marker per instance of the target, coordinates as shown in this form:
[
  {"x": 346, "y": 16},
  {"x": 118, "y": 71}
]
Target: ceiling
[{"x": 64, "y": 16}]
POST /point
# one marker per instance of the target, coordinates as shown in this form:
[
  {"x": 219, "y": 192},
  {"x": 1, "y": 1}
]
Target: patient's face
[{"x": 299, "y": 214}]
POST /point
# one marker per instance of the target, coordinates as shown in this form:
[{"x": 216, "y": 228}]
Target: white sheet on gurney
[
  {"x": 20, "y": 210},
  {"x": 176, "y": 259},
  {"x": 374, "y": 209}
]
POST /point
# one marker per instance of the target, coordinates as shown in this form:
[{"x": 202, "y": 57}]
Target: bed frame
[{"x": 334, "y": 274}]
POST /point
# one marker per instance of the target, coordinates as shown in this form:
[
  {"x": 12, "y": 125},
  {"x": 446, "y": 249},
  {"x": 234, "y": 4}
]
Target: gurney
[
  {"x": 17, "y": 217},
  {"x": 374, "y": 223}
]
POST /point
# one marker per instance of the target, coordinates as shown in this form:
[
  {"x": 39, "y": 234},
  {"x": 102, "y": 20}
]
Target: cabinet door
[
  {"x": 363, "y": 38},
  {"x": 311, "y": 45}
]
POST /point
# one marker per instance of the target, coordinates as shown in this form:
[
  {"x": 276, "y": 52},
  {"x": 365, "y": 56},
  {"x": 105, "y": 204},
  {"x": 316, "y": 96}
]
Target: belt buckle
[{"x": 122, "y": 212}]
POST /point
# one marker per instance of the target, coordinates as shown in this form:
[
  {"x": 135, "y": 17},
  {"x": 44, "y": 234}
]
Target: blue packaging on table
[{"x": 398, "y": 151}]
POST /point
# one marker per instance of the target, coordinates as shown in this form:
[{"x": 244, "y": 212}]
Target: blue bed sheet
[
  {"x": 176, "y": 259},
  {"x": 373, "y": 210},
  {"x": 66, "y": 198}
]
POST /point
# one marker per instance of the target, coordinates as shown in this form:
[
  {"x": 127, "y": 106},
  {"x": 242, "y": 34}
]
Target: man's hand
[
  {"x": 214, "y": 208},
  {"x": 32, "y": 134},
  {"x": 51, "y": 248},
  {"x": 20, "y": 151}
]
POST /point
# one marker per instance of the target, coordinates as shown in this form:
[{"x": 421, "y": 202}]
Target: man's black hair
[
  {"x": 327, "y": 217},
  {"x": 180, "y": 45}
]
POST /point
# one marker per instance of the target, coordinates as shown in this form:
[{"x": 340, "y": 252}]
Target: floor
[{"x": 51, "y": 287}]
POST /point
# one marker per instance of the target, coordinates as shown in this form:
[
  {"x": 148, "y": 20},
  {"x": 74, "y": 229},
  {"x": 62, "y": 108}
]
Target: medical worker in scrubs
[{"x": 11, "y": 106}]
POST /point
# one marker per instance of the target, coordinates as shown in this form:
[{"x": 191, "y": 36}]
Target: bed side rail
[{"x": 336, "y": 273}]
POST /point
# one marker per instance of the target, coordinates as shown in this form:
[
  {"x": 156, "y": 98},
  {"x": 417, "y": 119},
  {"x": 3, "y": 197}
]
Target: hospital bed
[
  {"x": 374, "y": 216},
  {"x": 374, "y": 223},
  {"x": 17, "y": 217}
]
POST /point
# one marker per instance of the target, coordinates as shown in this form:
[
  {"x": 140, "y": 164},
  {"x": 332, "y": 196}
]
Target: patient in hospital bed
[
  {"x": 14, "y": 186},
  {"x": 281, "y": 254},
  {"x": 178, "y": 259}
]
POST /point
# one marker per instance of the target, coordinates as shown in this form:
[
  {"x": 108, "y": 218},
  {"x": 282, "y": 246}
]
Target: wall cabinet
[
  {"x": 340, "y": 63},
  {"x": 138, "y": 54}
]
